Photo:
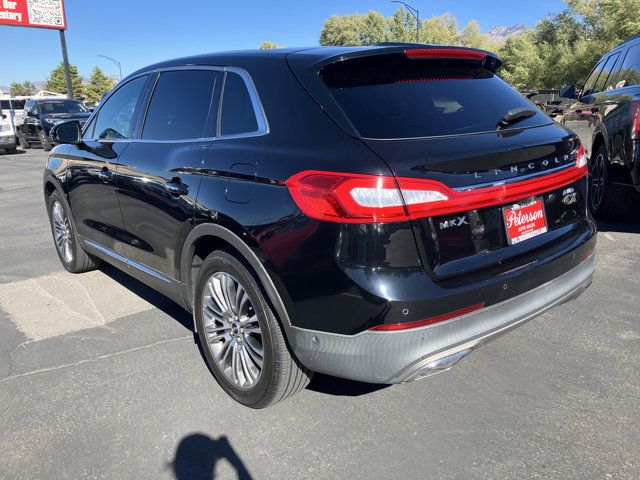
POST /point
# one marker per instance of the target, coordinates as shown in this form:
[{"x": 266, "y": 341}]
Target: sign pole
[{"x": 65, "y": 60}]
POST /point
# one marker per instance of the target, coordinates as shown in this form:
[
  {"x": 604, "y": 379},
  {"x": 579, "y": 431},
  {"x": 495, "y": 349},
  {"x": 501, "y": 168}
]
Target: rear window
[{"x": 390, "y": 96}]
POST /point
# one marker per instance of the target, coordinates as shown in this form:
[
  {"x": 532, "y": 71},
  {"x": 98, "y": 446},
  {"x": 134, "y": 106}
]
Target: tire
[
  {"x": 605, "y": 200},
  {"x": 72, "y": 256},
  {"x": 11, "y": 151},
  {"x": 22, "y": 141},
  {"x": 44, "y": 140},
  {"x": 227, "y": 340}
]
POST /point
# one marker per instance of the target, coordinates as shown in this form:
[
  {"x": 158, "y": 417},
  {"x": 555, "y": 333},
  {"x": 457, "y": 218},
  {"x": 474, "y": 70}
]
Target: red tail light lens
[
  {"x": 354, "y": 198},
  {"x": 581, "y": 158},
  {"x": 351, "y": 198},
  {"x": 635, "y": 126},
  {"x": 392, "y": 327},
  {"x": 463, "y": 53}
]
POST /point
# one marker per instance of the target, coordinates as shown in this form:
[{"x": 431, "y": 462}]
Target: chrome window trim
[{"x": 258, "y": 109}]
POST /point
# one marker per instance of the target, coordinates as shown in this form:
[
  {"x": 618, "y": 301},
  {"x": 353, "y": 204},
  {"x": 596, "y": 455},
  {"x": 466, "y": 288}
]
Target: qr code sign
[{"x": 46, "y": 12}]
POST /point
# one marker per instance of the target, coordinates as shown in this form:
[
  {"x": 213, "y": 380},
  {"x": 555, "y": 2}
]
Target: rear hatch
[{"x": 443, "y": 115}]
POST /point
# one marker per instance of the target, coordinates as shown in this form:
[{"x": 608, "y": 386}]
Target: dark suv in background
[
  {"x": 372, "y": 213},
  {"x": 41, "y": 115},
  {"x": 606, "y": 117}
]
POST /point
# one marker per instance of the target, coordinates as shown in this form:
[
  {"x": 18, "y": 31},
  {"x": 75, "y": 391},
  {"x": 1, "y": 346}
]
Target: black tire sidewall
[
  {"x": 44, "y": 139},
  {"x": 220, "y": 261},
  {"x": 605, "y": 186},
  {"x": 72, "y": 265}
]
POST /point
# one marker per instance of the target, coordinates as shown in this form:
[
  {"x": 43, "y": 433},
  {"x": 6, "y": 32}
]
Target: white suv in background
[{"x": 7, "y": 135}]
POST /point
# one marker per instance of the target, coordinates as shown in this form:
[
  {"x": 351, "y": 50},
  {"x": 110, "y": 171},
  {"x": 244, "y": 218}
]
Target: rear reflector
[
  {"x": 355, "y": 198},
  {"x": 392, "y": 327},
  {"x": 635, "y": 126},
  {"x": 463, "y": 53}
]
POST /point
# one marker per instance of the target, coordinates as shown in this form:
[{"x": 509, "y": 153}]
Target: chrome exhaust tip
[{"x": 439, "y": 365}]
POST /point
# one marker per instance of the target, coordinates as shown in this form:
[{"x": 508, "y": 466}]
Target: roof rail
[{"x": 635, "y": 37}]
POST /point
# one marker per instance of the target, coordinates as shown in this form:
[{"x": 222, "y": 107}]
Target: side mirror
[
  {"x": 3, "y": 116},
  {"x": 31, "y": 113},
  {"x": 67, "y": 132},
  {"x": 568, "y": 91}
]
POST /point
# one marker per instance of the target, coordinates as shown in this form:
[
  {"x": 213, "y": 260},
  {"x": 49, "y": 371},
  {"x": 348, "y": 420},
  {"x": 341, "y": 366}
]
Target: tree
[
  {"x": 19, "y": 89},
  {"x": 442, "y": 30},
  {"x": 341, "y": 30},
  {"x": 97, "y": 86},
  {"x": 267, "y": 45},
  {"x": 57, "y": 82}
]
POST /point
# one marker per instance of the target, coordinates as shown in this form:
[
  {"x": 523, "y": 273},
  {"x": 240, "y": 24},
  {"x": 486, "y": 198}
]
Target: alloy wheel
[
  {"x": 232, "y": 329},
  {"x": 597, "y": 182},
  {"x": 62, "y": 232}
]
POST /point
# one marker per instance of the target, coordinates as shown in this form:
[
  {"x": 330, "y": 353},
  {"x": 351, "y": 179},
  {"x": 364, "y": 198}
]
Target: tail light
[
  {"x": 635, "y": 124},
  {"x": 355, "y": 198},
  {"x": 445, "y": 53},
  {"x": 581, "y": 158}
]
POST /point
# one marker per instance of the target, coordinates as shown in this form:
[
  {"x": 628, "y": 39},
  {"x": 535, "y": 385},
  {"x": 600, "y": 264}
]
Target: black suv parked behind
[
  {"x": 42, "y": 114},
  {"x": 606, "y": 117},
  {"x": 371, "y": 213}
]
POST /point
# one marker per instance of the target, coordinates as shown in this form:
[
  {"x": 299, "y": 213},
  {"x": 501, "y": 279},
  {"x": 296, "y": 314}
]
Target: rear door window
[
  {"x": 180, "y": 105},
  {"x": 630, "y": 71},
  {"x": 237, "y": 115},
  {"x": 389, "y": 97}
]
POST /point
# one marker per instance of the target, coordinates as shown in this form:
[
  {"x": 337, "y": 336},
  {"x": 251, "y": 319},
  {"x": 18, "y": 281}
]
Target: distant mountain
[{"x": 500, "y": 34}]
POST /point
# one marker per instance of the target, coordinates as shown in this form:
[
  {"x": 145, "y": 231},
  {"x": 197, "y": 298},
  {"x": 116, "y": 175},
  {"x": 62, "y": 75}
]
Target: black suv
[
  {"x": 606, "y": 117},
  {"x": 41, "y": 115},
  {"x": 371, "y": 213}
]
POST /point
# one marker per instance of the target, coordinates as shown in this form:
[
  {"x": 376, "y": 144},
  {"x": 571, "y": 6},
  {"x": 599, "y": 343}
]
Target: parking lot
[{"x": 100, "y": 378}]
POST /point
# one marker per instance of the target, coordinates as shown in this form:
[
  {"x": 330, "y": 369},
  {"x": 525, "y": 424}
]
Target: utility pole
[
  {"x": 65, "y": 60},
  {"x": 415, "y": 13}
]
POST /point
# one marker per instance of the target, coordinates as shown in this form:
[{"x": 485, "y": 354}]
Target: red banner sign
[{"x": 33, "y": 13}]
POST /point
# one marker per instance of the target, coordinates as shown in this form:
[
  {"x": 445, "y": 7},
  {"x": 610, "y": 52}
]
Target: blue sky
[{"x": 140, "y": 32}]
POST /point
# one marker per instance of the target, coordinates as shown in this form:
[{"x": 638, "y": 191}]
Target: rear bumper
[{"x": 401, "y": 356}]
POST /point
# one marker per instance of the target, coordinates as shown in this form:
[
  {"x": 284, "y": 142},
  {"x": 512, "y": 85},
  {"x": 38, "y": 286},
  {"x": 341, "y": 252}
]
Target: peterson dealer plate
[{"x": 523, "y": 221}]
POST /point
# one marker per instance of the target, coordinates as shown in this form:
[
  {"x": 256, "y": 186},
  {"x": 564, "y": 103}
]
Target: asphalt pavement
[{"x": 100, "y": 378}]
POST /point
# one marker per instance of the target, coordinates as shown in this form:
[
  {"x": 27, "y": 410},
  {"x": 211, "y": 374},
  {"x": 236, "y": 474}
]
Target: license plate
[{"x": 523, "y": 221}]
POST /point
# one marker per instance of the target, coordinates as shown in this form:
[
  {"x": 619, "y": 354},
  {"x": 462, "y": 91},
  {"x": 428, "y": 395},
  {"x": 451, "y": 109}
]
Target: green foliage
[
  {"x": 267, "y": 45},
  {"x": 563, "y": 48},
  {"x": 374, "y": 27},
  {"x": 97, "y": 86},
  {"x": 58, "y": 84},
  {"x": 19, "y": 89}
]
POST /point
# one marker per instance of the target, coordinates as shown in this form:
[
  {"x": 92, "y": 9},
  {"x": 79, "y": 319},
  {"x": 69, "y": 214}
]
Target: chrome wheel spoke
[
  {"x": 232, "y": 329},
  {"x": 62, "y": 231}
]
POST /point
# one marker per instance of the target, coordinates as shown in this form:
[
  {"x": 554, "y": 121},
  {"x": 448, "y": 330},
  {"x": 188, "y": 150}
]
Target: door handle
[
  {"x": 104, "y": 175},
  {"x": 176, "y": 188}
]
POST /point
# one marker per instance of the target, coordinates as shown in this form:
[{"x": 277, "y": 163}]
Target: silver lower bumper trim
[{"x": 395, "y": 357}]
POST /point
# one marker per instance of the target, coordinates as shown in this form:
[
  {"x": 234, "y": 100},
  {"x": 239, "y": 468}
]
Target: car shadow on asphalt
[
  {"x": 148, "y": 294},
  {"x": 622, "y": 226},
  {"x": 340, "y": 387},
  {"x": 320, "y": 383},
  {"x": 197, "y": 455}
]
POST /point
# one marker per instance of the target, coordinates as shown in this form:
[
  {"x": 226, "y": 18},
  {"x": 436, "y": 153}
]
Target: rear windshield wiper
[{"x": 514, "y": 115}]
